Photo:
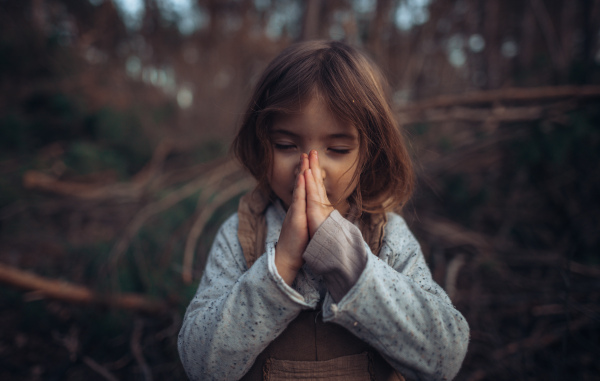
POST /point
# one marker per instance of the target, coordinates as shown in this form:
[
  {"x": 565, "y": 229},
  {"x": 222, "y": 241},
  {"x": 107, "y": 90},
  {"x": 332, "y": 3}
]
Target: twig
[
  {"x": 154, "y": 166},
  {"x": 72, "y": 293},
  {"x": 172, "y": 329},
  {"x": 452, "y": 276},
  {"x": 462, "y": 158},
  {"x": 130, "y": 190},
  {"x": 99, "y": 368},
  {"x": 180, "y": 174},
  {"x": 455, "y": 235},
  {"x": 496, "y": 114},
  {"x": 586, "y": 270},
  {"x": 38, "y": 180},
  {"x": 508, "y": 94},
  {"x": 71, "y": 343},
  {"x": 136, "y": 349},
  {"x": 150, "y": 210},
  {"x": 548, "y": 31},
  {"x": 534, "y": 342},
  {"x": 223, "y": 196}
]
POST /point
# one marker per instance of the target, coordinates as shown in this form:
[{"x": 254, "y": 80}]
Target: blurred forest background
[{"x": 115, "y": 121}]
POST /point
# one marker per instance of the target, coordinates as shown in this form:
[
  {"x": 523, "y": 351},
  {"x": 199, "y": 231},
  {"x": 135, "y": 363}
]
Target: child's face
[{"x": 314, "y": 128}]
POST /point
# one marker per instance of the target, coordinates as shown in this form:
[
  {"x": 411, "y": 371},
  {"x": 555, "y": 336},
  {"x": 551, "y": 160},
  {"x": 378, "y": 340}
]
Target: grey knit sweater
[{"x": 390, "y": 301}]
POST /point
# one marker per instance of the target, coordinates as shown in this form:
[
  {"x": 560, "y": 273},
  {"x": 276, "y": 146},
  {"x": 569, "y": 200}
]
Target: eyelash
[
  {"x": 285, "y": 147},
  {"x": 340, "y": 151}
]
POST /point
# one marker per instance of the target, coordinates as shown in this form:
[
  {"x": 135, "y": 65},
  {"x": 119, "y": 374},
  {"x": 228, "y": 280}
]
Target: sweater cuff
[
  {"x": 309, "y": 300},
  {"x": 337, "y": 252}
]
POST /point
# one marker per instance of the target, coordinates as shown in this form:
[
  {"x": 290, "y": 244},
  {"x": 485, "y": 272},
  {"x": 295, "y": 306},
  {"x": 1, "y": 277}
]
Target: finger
[
  {"x": 315, "y": 166},
  {"x": 304, "y": 165},
  {"x": 299, "y": 195},
  {"x": 300, "y": 190},
  {"x": 312, "y": 191}
]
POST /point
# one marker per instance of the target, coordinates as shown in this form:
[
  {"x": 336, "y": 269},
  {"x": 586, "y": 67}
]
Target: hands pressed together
[{"x": 310, "y": 207}]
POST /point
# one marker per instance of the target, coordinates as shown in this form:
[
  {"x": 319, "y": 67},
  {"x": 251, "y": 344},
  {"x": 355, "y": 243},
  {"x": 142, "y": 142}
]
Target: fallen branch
[
  {"x": 509, "y": 94},
  {"x": 453, "y": 234},
  {"x": 41, "y": 181},
  {"x": 223, "y": 196},
  {"x": 99, "y": 368},
  {"x": 536, "y": 342},
  {"x": 586, "y": 270},
  {"x": 227, "y": 168},
  {"x": 73, "y": 293},
  {"x": 136, "y": 349},
  {"x": 477, "y": 115},
  {"x": 129, "y": 190},
  {"x": 553, "y": 42},
  {"x": 452, "y": 272}
]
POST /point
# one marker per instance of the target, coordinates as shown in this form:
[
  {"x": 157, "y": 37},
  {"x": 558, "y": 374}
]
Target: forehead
[{"x": 314, "y": 120}]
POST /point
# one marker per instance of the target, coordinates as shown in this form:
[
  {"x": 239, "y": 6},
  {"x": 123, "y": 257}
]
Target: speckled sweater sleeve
[
  {"x": 396, "y": 307},
  {"x": 236, "y": 312}
]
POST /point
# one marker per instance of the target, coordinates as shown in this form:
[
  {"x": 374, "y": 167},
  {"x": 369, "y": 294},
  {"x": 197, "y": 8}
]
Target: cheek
[
  {"x": 282, "y": 170},
  {"x": 347, "y": 175},
  {"x": 341, "y": 177}
]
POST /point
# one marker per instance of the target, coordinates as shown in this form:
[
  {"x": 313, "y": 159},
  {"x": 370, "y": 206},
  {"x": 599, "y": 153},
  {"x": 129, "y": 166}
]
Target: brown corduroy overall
[{"x": 310, "y": 349}]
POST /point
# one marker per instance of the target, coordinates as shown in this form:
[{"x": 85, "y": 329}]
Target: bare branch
[
  {"x": 130, "y": 190},
  {"x": 98, "y": 368},
  {"x": 223, "y": 196},
  {"x": 173, "y": 198},
  {"x": 136, "y": 349},
  {"x": 72, "y": 293},
  {"x": 502, "y": 95}
]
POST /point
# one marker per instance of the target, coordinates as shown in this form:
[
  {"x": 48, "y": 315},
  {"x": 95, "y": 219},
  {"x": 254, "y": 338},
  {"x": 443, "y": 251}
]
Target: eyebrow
[{"x": 340, "y": 135}]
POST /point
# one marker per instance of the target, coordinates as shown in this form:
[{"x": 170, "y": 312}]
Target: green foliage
[
  {"x": 52, "y": 117},
  {"x": 14, "y": 133},
  {"x": 41, "y": 119},
  {"x": 165, "y": 113},
  {"x": 210, "y": 150},
  {"x": 94, "y": 141},
  {"x": 85, "y": 157},
  {"x": 445, "y": 144},
  {"x": 557, "y": 147},
  {"x": 9, "y": 191},
  {"x": 420, "y": 129},
  {"x": 118, "y": 141}
]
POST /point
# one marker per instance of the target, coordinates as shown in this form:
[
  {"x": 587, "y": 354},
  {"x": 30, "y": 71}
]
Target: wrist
[
  {"x": 317, "y": 220},
  {"x": 286, "y": 267}
]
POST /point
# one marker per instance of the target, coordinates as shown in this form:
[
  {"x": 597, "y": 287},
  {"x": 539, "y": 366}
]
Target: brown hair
[{"x": 356, "y": 92}]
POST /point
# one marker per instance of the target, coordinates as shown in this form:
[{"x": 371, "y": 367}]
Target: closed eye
[
  {"x": 284, "y": 147},
  {"x": 341, "y": 151}
]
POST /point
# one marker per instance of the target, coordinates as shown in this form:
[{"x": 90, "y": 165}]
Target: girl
[{"x": 315, "y": 277}]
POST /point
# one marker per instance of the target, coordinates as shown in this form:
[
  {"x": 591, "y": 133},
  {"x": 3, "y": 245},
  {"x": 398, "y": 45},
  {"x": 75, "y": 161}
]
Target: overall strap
[{"x": 372, "y": 227}]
